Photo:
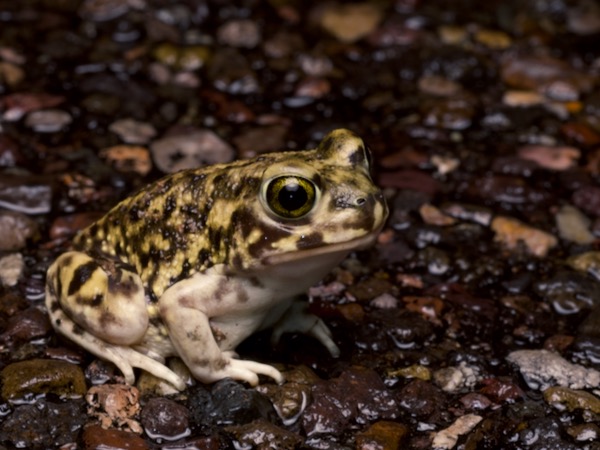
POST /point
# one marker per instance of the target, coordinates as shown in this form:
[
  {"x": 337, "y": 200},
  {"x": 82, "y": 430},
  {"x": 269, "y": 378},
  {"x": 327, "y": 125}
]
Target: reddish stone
[{"x": 97, "y": 438}]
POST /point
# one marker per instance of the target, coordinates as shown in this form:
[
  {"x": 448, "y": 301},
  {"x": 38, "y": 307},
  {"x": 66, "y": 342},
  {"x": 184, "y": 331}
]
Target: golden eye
[{"x": 290, "y": 196}]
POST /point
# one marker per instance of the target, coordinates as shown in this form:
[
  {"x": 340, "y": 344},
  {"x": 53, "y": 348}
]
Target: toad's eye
[{"x": 290, "y": 196}]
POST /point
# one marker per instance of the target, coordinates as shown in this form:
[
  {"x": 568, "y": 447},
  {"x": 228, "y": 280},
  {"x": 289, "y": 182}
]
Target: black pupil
[{"x": 292, "y": 196}]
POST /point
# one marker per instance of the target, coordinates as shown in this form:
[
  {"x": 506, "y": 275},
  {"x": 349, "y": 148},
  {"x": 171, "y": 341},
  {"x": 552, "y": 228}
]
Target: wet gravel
[{"x": 474, "y": 323}]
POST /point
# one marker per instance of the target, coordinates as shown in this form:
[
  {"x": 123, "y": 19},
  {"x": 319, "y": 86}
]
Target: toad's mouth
[{"x": 341, "y": 249}]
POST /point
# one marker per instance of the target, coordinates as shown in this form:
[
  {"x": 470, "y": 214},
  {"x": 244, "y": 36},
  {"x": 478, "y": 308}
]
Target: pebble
[
  {"x": 586, "y": 262},
  {"x": 472, "y": 213},
  {"x": 11, "y": 73},
  {"x": 369, "y": 288},
  {"x": 350, "y": 22},
  {"x": 572, "y": 399},
  {"x": 48, "y": 120},
  {"x": 568, "y": 292},
  {"x": 132, "y": 131},
  {"x": 452, "y": 34},
  {"x": 537, "y": 72},
  {"x": 313, "y": 88},
  {"x": 291, "y": 398},
  {"x": 445, "y": 164},
  {"x": 581, "y": 133},
  {"x": 255, "y": 141},
  {"x": 128, "y": 158},
  {"x": 511, "y": 232},
  {"x": 413, "y": 371},
  {"x": 164, "y": 419},
  {"x": 522, "y": 99},
  {"x": 422, "y": 400},
  {"x": 450, "y": 114},
  {"x": 586, "y": 432},
  {"x": 552, "y": 158},
  {"x": 358, "y": 395},
  {"x": 501, "y": 390},
  {"x": 315, "y": 65},
  {"x": 15, "y": 229},
  {"x": 44, "y": 424},
  {"x": 432, "y": 215},
  {"x": 115, "y": 405},
  {"x": 105, "y": 10},
  {"x": 496, "y": 40},
  {"x": 195, "y": 148},
  {"x": 188, "y": 58},
  {"x": 457, "y": 379},
  {"x": 11, "y": 154},
  {"x": 430, "y": 308},
  {"x": 583, "y": 18},
  {"x": 263, "y": 435},
  {"x": 97, "y": 438},
  {"x": 17, "y": 105},
  {"x": 383, "y": 435},
  {"x": 231, "y": 72},
  {"x": 25, "y": 194},
  {"x": 228, "y": 403},
  {"x": 64, "y": 227},
  {"x": 385, "y": 301},
  {"x": 475, "y": 401},
  {"x": 41, "y": 376},
  {"x": 439, "y": 86},
  {"x": 25, "y": 326},
  {"x": 242, "y": 33},
  {"x": 543, "y": 369},
  {"x": 448, "y": 437},
  {"x": 587, "y": 198},
  {"x": 560, "y": 91},
  {"x": 11, "y": 269},
  {"x": 574, "y": 226},
  {"x": 410, "y": 179}
]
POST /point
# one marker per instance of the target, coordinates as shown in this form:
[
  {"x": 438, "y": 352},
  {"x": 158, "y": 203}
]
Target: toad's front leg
[{"x": 184, "y": 309}]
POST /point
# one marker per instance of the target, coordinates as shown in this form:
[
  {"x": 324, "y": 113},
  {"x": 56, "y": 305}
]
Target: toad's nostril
[{"x": 361, "y": 201}]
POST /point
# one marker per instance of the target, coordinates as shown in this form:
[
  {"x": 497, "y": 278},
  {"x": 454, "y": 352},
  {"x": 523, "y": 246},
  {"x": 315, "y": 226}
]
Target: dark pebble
[
  {"x": 44, "y": 425},
  {"x": 507, "y": 189},
  {"x": 28, "y": 195},
  {"x": 97, "y": 438},
  {"x": 569, "y": 292},
  {"x": 26, "y": 326},
  {"x": 356, "y": 396},
  {"x": 587, "y": 198},
  {"x": 261, "y": 434},
  {"x": 423, "y": 400},
  {"x": 228, "y": 403},
  {"x": 164, "y": 419}
]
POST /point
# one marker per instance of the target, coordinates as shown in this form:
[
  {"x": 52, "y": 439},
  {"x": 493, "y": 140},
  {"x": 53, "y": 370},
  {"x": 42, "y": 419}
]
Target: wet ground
[{"x": 474, "y": 323}]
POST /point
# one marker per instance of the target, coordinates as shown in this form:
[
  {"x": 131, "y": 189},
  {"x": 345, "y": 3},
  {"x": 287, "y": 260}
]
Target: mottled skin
[{"x": 196, "y": 262}]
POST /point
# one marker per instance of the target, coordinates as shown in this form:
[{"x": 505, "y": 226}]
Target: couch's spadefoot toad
[{"x": 199, "y": 260}]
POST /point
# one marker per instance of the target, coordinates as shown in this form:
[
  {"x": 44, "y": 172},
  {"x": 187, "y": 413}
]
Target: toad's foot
[
  {"x": 298, "y": 320},
  {"x": 243, "y": 370}
]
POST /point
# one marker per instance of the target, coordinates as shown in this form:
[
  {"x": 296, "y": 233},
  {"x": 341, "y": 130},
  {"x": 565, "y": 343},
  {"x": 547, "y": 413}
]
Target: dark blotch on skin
[
  {"x": 223, "y": 289},
  {"x": 79, "y": 331},
  {"x": 357, "y": 157},
  {"x": 242, "y": 296},
  {"x": 310, "y": 241},
  {"x": 97, "y": 300},
  {"x": 54, "y": 305},
  {"x": 81, "y": 275},
  {"x": 106, "y": 318},
  {"x": 170, "y": 206}
]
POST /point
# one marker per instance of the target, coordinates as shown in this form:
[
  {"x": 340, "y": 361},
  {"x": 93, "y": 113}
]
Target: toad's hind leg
[{"x": 100, "y": 305}]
